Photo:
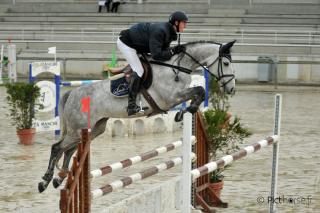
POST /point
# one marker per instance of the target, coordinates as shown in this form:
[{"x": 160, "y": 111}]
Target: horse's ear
[{"x": 225, "y": 49}]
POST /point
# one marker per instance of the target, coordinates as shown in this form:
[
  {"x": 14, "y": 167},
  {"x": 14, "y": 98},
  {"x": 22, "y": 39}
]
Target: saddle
[{"x": 119, "y": 83}]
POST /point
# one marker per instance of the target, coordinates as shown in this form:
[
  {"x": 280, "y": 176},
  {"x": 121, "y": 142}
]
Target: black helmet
[{"x": 178, "y": 16}]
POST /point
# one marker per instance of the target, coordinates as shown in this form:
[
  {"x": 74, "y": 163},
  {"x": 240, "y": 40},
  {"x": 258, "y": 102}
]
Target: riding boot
[{"x": 134, "y": 87}]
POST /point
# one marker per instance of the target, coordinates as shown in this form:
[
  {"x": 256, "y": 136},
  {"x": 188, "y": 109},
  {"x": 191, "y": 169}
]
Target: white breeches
[{"x": 131, "y": 56}]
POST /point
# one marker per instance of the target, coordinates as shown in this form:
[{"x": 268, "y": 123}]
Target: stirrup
[
  {"x": 136, "y": 109},
  {"x": 133, "y": 110}
]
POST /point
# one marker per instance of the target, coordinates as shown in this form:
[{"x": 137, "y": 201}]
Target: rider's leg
[
  {"x": 134, "y": 87},
  {"x": 132, "y": 58}
]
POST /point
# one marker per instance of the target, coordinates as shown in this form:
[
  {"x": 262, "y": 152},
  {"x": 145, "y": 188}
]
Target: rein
[
  {"x": 220, "y": 76},
  {"x": 182, "y": 69}
]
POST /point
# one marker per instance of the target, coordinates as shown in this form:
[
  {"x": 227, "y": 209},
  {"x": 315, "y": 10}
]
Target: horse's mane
[
  {"x": 223, "y": 52},
  {"x": 201, "y": 42}
]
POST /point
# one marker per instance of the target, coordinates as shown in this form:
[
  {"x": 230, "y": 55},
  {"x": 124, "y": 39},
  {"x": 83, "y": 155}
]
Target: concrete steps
[
  {"x": 85, "y": 7},
  {"x": 36, "y": 26},
  {"x": 284, "y": 10}
]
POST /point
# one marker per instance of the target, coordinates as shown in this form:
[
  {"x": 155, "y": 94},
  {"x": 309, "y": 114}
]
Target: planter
[
  {"x": 211, "y": 196},
  {"x": 26, "y": 136},
  {"x": 216, "y": 188},
  {"x": 225, "y": 125}
]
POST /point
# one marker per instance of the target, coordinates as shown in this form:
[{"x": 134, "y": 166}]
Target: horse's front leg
[{"x": 196, "y": 95}]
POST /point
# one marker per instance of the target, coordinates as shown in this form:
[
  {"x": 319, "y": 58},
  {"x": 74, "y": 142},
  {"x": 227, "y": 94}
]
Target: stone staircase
[{"x": 80, "y": 33}]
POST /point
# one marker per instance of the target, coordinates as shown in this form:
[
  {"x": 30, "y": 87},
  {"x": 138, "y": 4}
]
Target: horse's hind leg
[
  {"x": 54, "y": 157},
  {"x": 57, "y": 150},
  {"x": 98, "y": 129},
  {"x": 65, "y": 167}
]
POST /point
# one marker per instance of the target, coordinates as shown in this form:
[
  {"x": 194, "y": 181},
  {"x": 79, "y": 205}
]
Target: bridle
[{"x": 220, "y": 75}]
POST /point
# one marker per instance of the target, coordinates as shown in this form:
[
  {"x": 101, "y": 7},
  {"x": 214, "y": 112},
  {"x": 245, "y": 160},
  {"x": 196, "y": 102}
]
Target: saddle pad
[{"x": 119, "y": 86}]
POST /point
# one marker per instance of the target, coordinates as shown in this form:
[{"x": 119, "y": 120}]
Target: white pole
[
  {"x": 1, "y": 64},
  {"x": 186, "y": 168},
  {"x": 12, "y": 57},
  {"x": 276, "y": 131}
]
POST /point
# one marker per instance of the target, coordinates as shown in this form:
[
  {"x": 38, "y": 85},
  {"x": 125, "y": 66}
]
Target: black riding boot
[{"x": 134, "y": 87}]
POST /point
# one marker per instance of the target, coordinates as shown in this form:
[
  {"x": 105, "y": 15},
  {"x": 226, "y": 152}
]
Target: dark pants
[
  {"x": 115, "y": 7},
  {"x": 108, "y": 5},
  {"x": 100, "y": 8}
]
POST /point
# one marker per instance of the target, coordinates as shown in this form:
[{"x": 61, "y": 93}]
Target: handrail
[
  {"x": 307, "y": 37},
  {"x": 113, "y": 42}
]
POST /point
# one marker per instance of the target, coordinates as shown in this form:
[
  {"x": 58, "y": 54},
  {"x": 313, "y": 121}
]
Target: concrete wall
[
  {"x": 162, "y": 198},
  {"x": 303, "y": 73},
  {"x": 140, "y": 126},
  {"x": 306, "y": 73}
]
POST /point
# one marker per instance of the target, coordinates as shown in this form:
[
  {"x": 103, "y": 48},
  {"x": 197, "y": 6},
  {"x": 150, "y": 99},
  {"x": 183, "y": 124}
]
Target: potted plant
[
  {"x": 21, "y": 99},
  {"x": 224, "y": 134}
]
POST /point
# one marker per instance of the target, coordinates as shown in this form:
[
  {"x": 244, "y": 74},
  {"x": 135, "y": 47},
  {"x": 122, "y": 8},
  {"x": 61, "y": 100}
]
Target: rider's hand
[{"x": 178, "y": 49}]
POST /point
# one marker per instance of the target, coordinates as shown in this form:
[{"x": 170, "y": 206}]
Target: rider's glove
[{"x": 178, "y": 49}]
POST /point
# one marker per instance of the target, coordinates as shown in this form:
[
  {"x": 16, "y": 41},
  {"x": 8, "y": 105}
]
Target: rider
[{"x": 154, "y": 38}]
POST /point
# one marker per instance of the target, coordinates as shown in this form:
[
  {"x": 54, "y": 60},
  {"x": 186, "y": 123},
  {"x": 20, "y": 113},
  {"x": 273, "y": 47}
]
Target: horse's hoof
[
  {"x": 179, "y": 116},
  {"x": 42, "y": 186},
  {"x": 56, "y": 182}
]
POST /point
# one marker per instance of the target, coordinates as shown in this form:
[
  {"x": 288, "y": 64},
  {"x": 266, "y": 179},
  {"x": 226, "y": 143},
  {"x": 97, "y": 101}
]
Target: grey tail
[{"x": 62, "y": 104}]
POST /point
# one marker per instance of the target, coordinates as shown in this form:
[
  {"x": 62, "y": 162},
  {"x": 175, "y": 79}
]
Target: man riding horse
[
  {"x": 154, "y": 38},
  {"x": 175, "y": 65}
]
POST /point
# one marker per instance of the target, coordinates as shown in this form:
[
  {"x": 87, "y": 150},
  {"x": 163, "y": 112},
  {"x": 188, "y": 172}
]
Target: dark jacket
[{"x": 154, "y": 38}]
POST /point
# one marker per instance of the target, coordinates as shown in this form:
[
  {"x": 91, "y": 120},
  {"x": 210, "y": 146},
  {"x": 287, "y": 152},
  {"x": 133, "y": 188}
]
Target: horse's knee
[
  {"x": 192, "y": 109},
  {"x": 199, "y": 95},
  {"x": 55, "y": 148},
  {"x": 201, "y": 92}
]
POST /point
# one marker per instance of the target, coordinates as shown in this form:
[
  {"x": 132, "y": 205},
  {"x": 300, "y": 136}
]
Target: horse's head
[
  {"x": 225, "y": 71},
  {"x": 217, "y": 59}
]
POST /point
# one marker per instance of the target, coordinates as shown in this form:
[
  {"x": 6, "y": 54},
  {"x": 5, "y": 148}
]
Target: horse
[{"x": 170, "y": 87}]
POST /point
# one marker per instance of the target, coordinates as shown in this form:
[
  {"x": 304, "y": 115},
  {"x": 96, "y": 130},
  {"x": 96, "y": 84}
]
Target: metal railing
[{"x": 111, "y": 34}]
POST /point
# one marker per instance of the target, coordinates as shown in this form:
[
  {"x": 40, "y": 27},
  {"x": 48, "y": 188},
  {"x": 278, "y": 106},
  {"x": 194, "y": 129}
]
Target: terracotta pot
[
  {"x": 226, "y": 123},
  {"x": 216, "y": 188},
  {"x": 26, "y": 136}
]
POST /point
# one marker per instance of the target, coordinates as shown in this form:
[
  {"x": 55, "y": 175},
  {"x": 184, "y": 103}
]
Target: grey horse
[{"x": 169, "y": 88}]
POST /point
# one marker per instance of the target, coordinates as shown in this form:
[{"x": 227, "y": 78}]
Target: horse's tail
[
  {"x": 63, "y": 125},
  {"x": 62, "y": 104}
]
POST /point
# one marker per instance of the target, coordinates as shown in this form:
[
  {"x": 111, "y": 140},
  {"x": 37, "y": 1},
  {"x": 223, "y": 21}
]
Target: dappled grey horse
[{"x": 170, "y": 87}]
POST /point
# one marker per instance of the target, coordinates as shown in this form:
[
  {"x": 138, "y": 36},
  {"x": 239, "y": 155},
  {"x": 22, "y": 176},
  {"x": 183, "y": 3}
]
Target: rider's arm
[{"x": 156, "y": 44}]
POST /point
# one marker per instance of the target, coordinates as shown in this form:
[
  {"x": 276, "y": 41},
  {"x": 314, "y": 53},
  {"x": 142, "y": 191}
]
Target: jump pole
[{"x": 275, "y": 154}]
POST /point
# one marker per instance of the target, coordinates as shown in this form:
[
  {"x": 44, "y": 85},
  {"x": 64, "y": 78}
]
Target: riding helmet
[{"x": 178, "y": 16}]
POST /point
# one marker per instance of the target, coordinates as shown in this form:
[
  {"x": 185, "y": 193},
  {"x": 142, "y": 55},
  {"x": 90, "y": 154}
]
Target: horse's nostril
[{"x": 233, "y": 91}]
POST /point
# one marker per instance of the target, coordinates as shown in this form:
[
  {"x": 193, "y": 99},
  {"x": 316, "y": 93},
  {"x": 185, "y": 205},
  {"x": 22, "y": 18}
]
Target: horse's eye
[{"x": 226, "y": 63}]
